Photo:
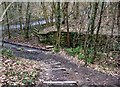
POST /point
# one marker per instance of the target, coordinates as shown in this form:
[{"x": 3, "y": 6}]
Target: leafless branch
[{"x": 1, "y": 18}]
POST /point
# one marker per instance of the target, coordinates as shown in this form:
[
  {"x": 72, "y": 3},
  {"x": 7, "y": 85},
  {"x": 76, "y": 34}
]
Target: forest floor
[
  {"x": 114, "y": 71},
  {"x": 18, "y": 71},
  {"x": 71, "y": 68}
]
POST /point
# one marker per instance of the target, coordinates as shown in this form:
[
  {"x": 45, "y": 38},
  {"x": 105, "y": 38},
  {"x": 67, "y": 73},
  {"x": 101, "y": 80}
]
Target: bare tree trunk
[
  {"x": 2, "y": 33},
  {"x": 4, "y": 12},
  {"x": 7, "y": 20},
  {"x": 118, "y": 23},
  {"x": 58, "y": 25},
  {"x": 86, "y": 38},
  {"x": 66, "y": 21},
  {"x": 20, "y": 14},
  {"x": 118, "y": 18},
  {"x": 92, "y": 18},
  {"x": 64, "y": 12},
  {"x": 27, "y": 21},
  {"x": 53, "y": 12},
  {"x": 98, "y": 28}
]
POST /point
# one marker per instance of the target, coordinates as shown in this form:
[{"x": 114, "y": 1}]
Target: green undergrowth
[
  {"x": 56, "y": 50},
  {"x": 7, "y": 52},
  {"x": 79, "y": 52}
]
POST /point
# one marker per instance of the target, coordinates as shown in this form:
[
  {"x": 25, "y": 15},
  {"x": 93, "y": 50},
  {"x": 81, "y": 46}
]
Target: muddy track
[{"x": 60, "y": 69}]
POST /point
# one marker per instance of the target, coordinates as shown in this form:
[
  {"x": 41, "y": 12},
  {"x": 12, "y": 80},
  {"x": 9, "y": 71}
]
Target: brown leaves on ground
[
  {"x": 18, "y": 71},
  {"x": 104, "y": 67},
  {"x": 32, "y": 42}
]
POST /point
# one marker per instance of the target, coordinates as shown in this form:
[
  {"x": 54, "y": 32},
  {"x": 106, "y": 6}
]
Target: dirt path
[{"x": 58, "y": 68}]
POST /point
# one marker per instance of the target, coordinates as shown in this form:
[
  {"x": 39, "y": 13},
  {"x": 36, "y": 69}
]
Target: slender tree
[
  {"x": 118, "y": 19},
  {"x": 98, "y": 28},
  {"x": 92, "y": 20},
  {"x": 66, "y": 21},
  {"x": 20, "y": 14},
  {"x": 4, "y": 11},
  {"x": 27, "y": 26},
  {"x": 53, "y": 11},
  {"x": 118, "y": 23},
  {"x": 7, "y": 20},
  {"x": 63, "y": 13},
  {"x": 87, "y": 33},
  {"x": 58, "y": 15}
]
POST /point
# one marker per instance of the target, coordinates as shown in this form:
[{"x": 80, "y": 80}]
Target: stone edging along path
[{"x": 81, "y": 74}]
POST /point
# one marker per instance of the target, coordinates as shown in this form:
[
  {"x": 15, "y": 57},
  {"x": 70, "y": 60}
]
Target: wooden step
[
  {"x": 59, "y": 82},
  {"x": 49, "y": 47}
]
